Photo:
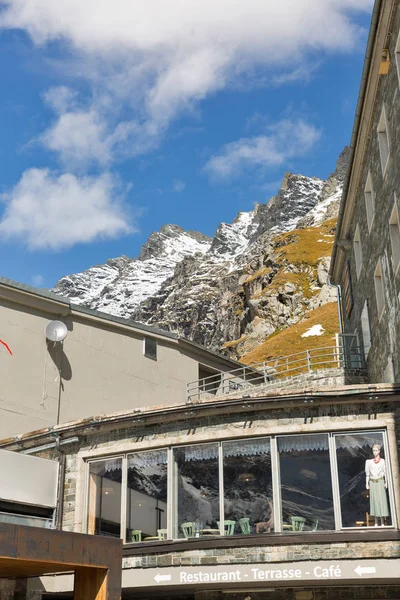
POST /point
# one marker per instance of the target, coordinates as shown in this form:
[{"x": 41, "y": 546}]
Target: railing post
[
  {"x": 222, "y": 382},
  {"x": 265, "y": 372},
  {"x": 308, "y": 361},
  {"x": 244, "y": 373},
  {"x": 337, "y": 350},
  {"x": 187, "y": 392}
]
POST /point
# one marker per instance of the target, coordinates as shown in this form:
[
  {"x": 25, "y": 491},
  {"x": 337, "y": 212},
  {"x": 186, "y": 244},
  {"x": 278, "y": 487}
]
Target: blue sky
[{"x": 119, "y": 117}]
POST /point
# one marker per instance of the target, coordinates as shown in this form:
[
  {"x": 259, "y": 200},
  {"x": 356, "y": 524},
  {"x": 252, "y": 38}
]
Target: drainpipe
[
  {"x": 339, "y": 299},
  {"x": 60, "y": 501}
]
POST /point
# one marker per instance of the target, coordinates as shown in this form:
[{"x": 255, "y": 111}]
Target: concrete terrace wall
[{"x": 310, "y": 380}]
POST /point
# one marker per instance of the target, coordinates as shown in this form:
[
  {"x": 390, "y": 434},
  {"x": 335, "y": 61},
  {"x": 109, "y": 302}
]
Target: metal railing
[{"x": 344, "y": 355}]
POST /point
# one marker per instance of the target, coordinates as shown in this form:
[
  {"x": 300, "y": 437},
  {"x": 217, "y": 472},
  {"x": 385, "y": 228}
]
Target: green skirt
[{"x": 378, "y": 499}]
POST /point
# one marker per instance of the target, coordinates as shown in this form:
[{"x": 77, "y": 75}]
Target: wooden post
[
  {"x": 90, "y": 584},
  {"x": 92, "y": 504}
]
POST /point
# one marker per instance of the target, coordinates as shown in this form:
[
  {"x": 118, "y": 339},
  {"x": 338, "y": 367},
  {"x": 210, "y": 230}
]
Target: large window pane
[
  {"x": 248, "y": 485},
  {"x": 146, "y": 496},
  {"x": 361, "y": 506},
  {"x": 104, "y": 506},
  {"x": 197, "y": 489},
  {"x": 306, "y": 486}
]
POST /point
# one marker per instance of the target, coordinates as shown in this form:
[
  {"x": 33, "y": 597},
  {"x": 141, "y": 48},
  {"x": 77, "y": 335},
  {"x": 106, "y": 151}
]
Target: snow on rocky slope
[
  {"x": 120, "y": 285},
  {"x": 193, "y": 285}
]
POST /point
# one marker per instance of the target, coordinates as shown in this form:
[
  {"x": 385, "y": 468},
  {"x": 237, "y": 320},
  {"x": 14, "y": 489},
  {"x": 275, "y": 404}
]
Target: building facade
[
  {"x": 263, "y": 496},
  {"x": 103, "y": 365},
  {"x": 366, "y": 255}
]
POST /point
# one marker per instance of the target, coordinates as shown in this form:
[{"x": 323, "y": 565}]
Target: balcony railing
[{"x": 344, "y": 355}]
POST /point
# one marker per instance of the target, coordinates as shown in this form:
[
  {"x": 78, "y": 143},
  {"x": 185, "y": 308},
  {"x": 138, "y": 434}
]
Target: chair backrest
[
  {"x": 369, "y": 519},
  {"x": 162, "y": 534},
  {"x": 188, "y": 529},
  {"x": 136, "y": 535},
  {"x": 298, "y": 523},
  {"x": 229, "y": 527},
  {"x": 314, "y": 526},
  {"x": 244, "y": 525}
]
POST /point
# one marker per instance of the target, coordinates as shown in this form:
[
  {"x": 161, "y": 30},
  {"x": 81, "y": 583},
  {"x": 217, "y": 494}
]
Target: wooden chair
[
  {"x": 188, "y": 529},
  {"x": 229, "y": 527},
  {"x": 314, "y": 525},
  {"x": 298, "y": 523},
  {"x": 162, "y": 534},
  {"x": 369, "y": 520},
  {"x": 244, "y": 525},
  {"x": 136, "y": 535}
]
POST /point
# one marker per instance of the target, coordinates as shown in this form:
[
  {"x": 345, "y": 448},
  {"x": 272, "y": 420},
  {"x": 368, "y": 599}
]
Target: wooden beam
[
  {"x": 91, "y": 523},
  {"x": 90, "y": 584},
  {"x": 96, "y": 560}
]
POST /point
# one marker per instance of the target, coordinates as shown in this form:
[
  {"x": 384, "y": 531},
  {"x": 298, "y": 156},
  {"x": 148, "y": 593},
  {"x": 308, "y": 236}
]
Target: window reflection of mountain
[
  {"x": 306, "y": 487},
  {"x": 151, "y": 481},
  {"x": 198, "y": 504}
]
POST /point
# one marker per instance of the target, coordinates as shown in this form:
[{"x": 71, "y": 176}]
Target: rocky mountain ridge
[{"x": 233, "y": 291}]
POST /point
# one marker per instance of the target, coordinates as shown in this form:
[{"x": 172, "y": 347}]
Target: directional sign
[
  {"x": 161, "y": 578},
  {"x": 292, "y": 574}
]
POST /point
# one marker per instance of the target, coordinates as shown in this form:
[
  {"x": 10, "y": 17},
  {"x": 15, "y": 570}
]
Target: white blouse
[{"x": 375, "y": 470}]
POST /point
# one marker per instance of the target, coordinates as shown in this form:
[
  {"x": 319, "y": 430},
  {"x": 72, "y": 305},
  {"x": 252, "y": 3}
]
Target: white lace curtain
[
  {"x": 247, "y": 447},
  {"x": 147, "y": 459},
  {"x": 251, "y": 447},
  {"x": 303, "y": 442},
  {"x": 201, "y": 452}
]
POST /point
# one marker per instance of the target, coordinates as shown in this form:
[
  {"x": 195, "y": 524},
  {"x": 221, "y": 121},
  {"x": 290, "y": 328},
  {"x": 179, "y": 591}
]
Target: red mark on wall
[{"x": 7, "y": 346}]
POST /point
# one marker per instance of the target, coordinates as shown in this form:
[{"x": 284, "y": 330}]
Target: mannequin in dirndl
[{"x": 376, "y": 483}]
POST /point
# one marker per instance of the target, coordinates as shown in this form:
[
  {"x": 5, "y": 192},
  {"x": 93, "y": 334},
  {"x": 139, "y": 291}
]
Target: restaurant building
[{"x": 259, "y": 496}]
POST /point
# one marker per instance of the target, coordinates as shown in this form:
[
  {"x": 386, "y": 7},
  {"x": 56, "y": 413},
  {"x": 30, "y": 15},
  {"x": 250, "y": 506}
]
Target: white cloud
[
  {"x": 178, "y": 185},
  {"x": 38, "y": 280},
  {"x": 82, "y": 135},
  {"x": 151, "y": 59},
  {"x": 286, "y": 139},
  {"x": 48, "y": 210}
]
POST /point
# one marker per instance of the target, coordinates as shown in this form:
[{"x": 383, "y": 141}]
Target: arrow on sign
[
  {"x": 364, "y": 570},
  {"x": 159, "y": 578}
]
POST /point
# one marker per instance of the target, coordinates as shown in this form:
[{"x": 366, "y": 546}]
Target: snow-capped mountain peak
[
  {"x": 120, "y": 285},
  {"x": 135, "y": 287}
]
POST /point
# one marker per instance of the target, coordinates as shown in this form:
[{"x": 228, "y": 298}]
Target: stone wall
[
  {"x": 310, "y": 379},
  {"x": 375, "y": 244},
  {"x": 322, "y": 593},
  {"x": 266, "y": 554}
]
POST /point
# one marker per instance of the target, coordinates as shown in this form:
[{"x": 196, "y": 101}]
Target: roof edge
[
  {"x": 356, "y": 125},
  {"x": 362, "y": 392}
]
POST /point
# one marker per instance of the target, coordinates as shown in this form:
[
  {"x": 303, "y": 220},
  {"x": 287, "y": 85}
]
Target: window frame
[
  {"x": 397, "y": 57},
  {"x": 369, "y": 198},
  {"x": 172, "y": 511},
  {"x": 146, "y": 352},
  {"x": 379, "y": 286},
  {"x": 365, "y": 332},
  {"x": 383, "y": 128},
  {"x": 347, "y": 286},
  {"x": 395, "y": 216},
  {"x": 358, "y": 253}
]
